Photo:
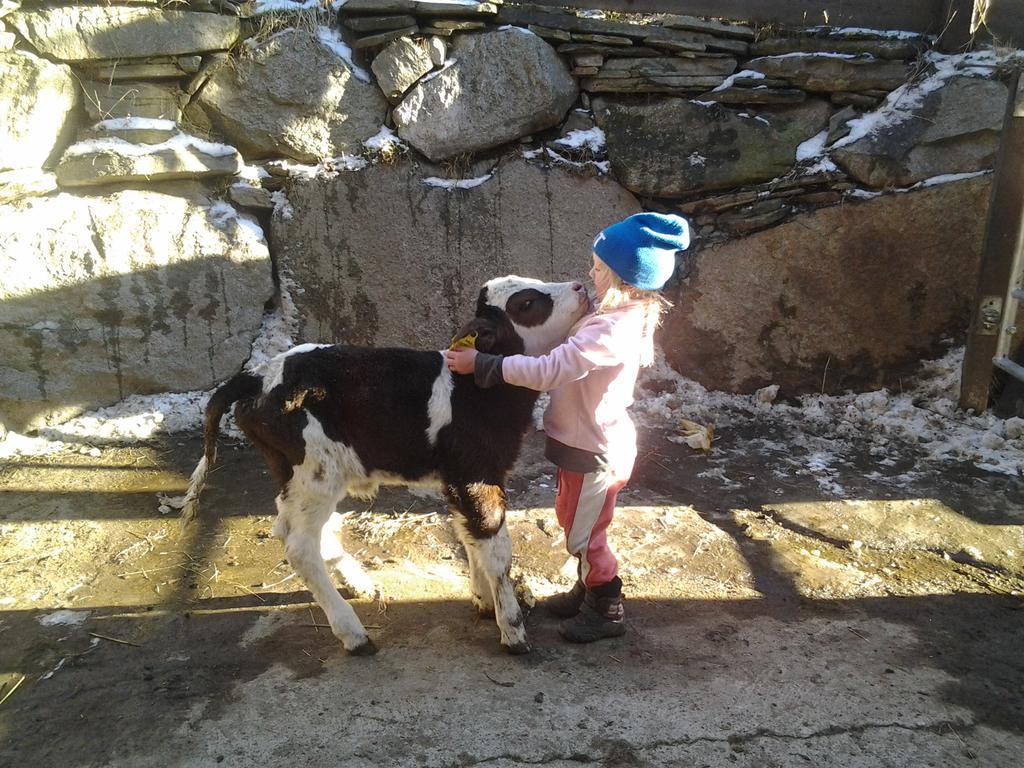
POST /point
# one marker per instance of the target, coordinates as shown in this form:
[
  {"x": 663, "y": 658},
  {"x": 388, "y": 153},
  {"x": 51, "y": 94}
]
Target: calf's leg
[
  {"x": 479, "y": 584},
  {"x": 347, "y": 567},
  {"x": 301, "y": 518},
  {"x": 482, "y": 507}
]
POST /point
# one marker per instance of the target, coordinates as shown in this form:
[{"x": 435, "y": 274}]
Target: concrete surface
[{"x": 769, "y": 625}]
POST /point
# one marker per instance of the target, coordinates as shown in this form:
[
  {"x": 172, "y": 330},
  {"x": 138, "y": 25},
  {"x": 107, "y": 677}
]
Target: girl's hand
[{"x": 461, "y": 360}]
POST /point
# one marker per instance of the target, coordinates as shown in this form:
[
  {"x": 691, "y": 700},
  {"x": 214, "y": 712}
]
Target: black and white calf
[{"x": 333, "y": 421}]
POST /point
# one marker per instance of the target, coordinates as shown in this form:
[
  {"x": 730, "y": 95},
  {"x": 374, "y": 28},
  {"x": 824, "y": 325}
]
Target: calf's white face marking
[{"x": 542, "y": 329}]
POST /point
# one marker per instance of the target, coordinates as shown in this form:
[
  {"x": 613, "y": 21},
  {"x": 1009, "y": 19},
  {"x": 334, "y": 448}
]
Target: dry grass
[
  {"x": 457, "y": 167},
  {"x": 389, "y": 153},
  {"x": 767, "y": 31},
  {"x": 257, "y": 30},
  {"x": 378, "y": 528}
]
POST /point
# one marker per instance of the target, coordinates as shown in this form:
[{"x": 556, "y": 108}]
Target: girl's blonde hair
[{"x": 621, "y": 292}]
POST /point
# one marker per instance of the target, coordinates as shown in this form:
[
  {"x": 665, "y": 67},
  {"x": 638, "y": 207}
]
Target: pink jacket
[{"x": 590, "y": 378}]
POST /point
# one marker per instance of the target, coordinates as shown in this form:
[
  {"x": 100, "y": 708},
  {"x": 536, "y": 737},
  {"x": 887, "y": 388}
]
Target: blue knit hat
[{"x": 642, "y": 248}]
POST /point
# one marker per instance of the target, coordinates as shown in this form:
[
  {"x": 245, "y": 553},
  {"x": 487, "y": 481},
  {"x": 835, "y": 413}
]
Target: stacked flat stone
[
  {"x": 131, "y": 62},
  {"x": 521, "y": 130}
]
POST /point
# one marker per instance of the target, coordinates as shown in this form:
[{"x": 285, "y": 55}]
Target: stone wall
[{"x": 168, "y": 175}]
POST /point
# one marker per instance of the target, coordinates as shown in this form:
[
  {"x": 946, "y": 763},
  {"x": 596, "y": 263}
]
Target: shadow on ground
[{"x": 770, "y": 624}]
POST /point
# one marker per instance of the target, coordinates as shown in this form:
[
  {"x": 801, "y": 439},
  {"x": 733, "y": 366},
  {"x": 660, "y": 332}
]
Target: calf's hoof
[
  {"x": 485, "y": 608},
  {"x": 365, "y": 649},
  {"x": 518, "y": 649}
]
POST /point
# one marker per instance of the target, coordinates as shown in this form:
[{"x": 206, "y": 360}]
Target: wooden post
[{"x": 1005, "y": 218}]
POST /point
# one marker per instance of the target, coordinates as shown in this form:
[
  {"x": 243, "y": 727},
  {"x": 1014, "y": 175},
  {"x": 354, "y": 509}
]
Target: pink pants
[{"x": 584, "y": 506}]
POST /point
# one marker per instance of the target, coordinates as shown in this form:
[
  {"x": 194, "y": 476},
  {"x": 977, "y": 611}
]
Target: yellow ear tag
[{"x": 466, "y": 342}]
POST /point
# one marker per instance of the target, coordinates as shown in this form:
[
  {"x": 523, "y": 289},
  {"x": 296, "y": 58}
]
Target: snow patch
[
  {"x": 64, "y": 618},
  {"x": 900, "y": 104},
  {"x": 812, "y": 148},
  {"x": 384, "y": 140},
  {"x": 924, "y": 417},
  {"x": 253, "y": 173},
  {"x": 283, "y": 6},
  {"x": 137, "y": 417},
  {"x": 820, "y": 464},
  {"x": 523, "y": 30},
  {"x": 746, "y": 74},
  {"x": 222, "y": 215},
  {"x": 824, "y": 165},
  {"x": 14, "y": 444},
  {"x": 449, "y": 184},
  {"x": 332, "y": 40},
  {"x": 325, "y": 169},
  {"x": 282, "y": 205},
  {"x": 821, "y": 55},
  {"x": 177, "y": 143},
  {"x": 603, "y": 167},
  {"x": 593, "y": 139},
  {"x": 896, "y": 34},
  {"x": 934, "y": 181},
  {"x": 448, "y": 63},
  {"x": 137, "y": 124},
  {"x": 279, "y": 328},
  {"x": 946, "y": 178}
]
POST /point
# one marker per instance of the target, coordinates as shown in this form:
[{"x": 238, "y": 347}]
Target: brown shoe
[
  {"x": 598, "y": 618},
  {"x": 565, "y": 605}
]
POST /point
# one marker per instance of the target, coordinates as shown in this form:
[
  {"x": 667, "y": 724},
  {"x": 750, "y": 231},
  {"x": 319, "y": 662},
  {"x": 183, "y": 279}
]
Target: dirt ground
[{"x": 771, "y": 621}]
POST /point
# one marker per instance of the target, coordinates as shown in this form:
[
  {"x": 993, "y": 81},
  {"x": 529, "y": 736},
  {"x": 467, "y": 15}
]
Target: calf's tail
[{"x": 238, "y": 387}]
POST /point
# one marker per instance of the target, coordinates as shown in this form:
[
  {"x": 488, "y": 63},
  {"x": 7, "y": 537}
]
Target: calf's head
[
  {"x": 494, "y": 331},
  {"x": 540, "y": 313}
]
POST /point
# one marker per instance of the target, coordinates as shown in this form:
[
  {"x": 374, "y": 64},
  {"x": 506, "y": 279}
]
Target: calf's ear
[{"x": 486, "y": 338}]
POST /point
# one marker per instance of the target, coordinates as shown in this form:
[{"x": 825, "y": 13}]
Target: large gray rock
[
  {"x": 415, "y": 281},
  {"x": 113, "y": 159},
  {"x": 135, "y": 292},
  {"x": 850, "y": 296},
  {"x": 831, "y": 72},
  {"x": 502, "y": 85},
  {"x": 671, "y": 147},
  {"x": 36, "y": 99},
  {"x": 955, "y": 130},
  {"x": 79, "y": 33},
  {"x": 154, "y": 68},
  {"x": 660, "y": 75},
  {"x": 293, "y": 95},
  {"x": 25, "y": 182},
  {"x": 680, "y": 39},
  {"x": 420, "y": 7},
  {"x": 400, "y": 65},
  {"x": 882, "y": 49}
]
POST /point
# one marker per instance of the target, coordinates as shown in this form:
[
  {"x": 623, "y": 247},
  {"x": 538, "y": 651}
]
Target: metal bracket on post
[{"x": 990, "y": 316}]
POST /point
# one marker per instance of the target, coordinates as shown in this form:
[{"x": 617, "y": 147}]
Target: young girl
[{"x": 590, "y": 377}]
